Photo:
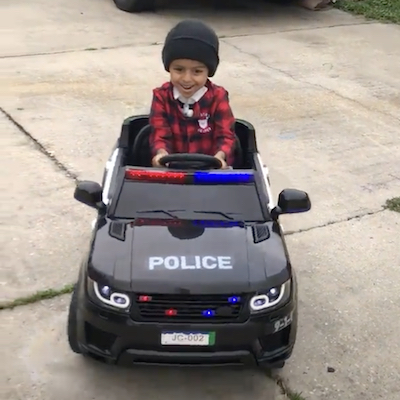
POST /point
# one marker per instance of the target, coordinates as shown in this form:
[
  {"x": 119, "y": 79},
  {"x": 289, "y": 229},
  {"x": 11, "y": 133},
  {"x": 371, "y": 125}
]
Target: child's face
[{"x": 188, "y": 76}]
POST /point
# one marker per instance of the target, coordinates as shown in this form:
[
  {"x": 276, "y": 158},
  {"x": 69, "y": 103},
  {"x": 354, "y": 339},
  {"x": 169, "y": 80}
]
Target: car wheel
[
  {"x": 72, "y": 329},
  {"x": 281, "y": 2},
  {"x": 135, "y": 6}
]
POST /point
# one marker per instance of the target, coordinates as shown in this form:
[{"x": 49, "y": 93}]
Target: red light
[
  {"x": 155, "y": 176},
  {"x": 144, "y": 298},
  {"x": 156, "y": 222},
  {"x": 171, "y": 312}
]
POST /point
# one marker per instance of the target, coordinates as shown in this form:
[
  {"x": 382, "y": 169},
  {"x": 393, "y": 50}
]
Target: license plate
[{"x": 187, "y": 339}]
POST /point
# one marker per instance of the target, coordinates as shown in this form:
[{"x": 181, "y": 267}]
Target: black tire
[
  {"x": 72, "y": 329},
  {"x": 280, "y": 2},
  {"x": 135, "y": 6}
]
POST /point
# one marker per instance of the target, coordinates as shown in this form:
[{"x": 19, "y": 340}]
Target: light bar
[
  {"x": 155, "y": 176},
  {"x": 197, "y": 177},
  {"x": 222, "y": 177},
  {"x": 186, "y": 223},
  {"x": 217, "y": 223},
  {"x": 158, "y": 222}
]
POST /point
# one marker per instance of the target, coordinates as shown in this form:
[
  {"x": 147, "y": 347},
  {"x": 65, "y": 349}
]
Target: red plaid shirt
[{"x": 209, "y": 130}]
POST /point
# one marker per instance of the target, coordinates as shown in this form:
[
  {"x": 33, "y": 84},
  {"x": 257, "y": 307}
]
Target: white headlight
[
  {"x": 270, "y": 298},
  {"x": 107, "y": 296}
]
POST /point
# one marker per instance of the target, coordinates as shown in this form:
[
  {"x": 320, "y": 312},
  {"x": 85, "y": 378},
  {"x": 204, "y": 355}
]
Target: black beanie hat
[{"x": 192, "y": 39}]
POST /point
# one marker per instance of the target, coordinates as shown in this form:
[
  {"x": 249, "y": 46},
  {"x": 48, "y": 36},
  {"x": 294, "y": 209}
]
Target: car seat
[{"x": 141, "y": 153}]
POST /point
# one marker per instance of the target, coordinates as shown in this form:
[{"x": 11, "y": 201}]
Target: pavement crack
[
  {"x": 49, "y": 53},
  {"x": 316, "y": 85},
  {"x": 159, "y": 43},
  {"x": 39, "y": 146},
  {"x": 286, "y": 391},
  {"x": 339, "y": 221},
  {"x": 37, "y": 296},
  {"x": 303, "y": 29}
]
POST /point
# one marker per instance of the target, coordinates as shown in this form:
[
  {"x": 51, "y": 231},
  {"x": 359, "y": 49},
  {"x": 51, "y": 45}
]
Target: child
[{"x": 190, "y": 114}]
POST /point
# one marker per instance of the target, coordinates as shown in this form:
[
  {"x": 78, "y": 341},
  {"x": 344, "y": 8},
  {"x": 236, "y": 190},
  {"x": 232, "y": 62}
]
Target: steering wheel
[{"x": 190, "y": 161}]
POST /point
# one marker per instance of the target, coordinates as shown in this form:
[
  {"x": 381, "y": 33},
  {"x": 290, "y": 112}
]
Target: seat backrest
[
  {"x": 130, "y": 129},
  {"x": 135, "y": 139},
  {"x": 140, "y": 153},
  {"x": 247, "y": 137}
]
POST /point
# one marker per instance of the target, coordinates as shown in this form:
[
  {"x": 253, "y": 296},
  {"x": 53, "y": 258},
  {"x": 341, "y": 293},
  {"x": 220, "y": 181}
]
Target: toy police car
[
  {"x": 135, "y": 6},
  {"x": 187, "y": 264}
]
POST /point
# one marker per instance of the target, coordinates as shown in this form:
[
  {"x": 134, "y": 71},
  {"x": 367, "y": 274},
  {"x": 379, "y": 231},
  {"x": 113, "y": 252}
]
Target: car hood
[{"x": 150, "y": 258}]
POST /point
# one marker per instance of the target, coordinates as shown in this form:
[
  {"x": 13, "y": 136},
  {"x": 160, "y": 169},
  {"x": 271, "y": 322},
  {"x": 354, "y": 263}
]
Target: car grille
[{"x": 189, "y": 308}]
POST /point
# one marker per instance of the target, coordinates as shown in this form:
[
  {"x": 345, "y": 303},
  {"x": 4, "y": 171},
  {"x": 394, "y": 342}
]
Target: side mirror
[
  {"x": 89, "y": 193},
  {"x": 292, "y": 201}
]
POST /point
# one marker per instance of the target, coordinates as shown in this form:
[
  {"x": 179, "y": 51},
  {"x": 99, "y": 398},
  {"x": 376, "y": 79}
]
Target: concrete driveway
[{"x": 322, "y": 90}]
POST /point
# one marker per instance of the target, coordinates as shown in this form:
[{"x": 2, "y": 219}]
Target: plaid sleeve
[
  {"x": 224, "y": 126},
  {"x": 161, "y": 135}
]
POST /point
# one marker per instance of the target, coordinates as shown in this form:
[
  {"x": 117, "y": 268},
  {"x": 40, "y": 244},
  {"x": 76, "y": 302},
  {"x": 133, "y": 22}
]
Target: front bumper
[{"x": 118, "y": 339}]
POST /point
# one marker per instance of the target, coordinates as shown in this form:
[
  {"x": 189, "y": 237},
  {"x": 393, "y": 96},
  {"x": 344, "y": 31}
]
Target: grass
[
  {"x": 382, "y": 10},
  {"x": 393, "y": 204},
  {"x": 38, "y": 296},
  {"x": 287, "y": 392},
  {"x": 295, "y": 396}
]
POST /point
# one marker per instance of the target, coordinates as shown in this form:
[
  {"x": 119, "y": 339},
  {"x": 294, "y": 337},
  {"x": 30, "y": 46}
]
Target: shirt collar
[{"x": 193, "y": 99}]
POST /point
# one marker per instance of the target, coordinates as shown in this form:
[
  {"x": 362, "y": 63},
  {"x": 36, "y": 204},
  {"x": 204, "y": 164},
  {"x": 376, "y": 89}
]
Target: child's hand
[
  {"x": 221, "y": 157},
  {"x": 156, "y": 159}
]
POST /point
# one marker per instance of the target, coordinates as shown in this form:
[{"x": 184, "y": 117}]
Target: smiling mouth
[{"x": 187, "y": 87}]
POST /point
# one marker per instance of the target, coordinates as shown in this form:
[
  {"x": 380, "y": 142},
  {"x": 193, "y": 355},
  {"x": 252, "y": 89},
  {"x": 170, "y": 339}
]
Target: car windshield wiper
[
  {"x": 227, "y": 216},
  {"x": 171, "y": 215},
  {"x": 168, "y": 212}
]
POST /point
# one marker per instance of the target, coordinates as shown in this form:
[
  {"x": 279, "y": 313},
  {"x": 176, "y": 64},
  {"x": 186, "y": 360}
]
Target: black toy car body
[
  {"x": 187, "y": 264},
  {"x": 137, "y": 6}
]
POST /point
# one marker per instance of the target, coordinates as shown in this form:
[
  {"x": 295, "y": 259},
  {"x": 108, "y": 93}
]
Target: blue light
[
  {"x": 234, "y": 299},
  {"x": 217, "y": 224},
  {"x": 208, "y": 313},
  {"x": 223, "y": 177}
]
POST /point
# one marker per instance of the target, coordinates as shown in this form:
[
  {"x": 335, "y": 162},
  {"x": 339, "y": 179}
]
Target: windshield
[{"x": 202, "y": 202}]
